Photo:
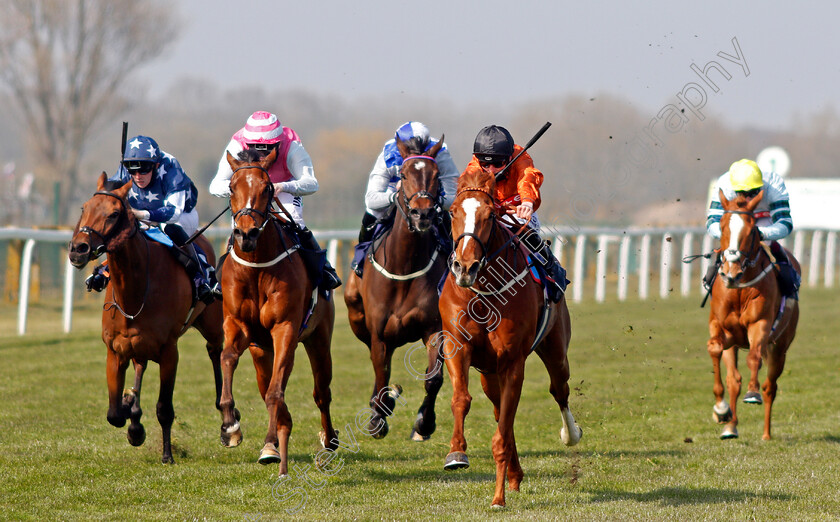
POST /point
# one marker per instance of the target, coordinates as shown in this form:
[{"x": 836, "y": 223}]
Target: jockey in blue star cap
[
  {"x": 162, "y": 195},
  {"x": 383, "y": 181}
]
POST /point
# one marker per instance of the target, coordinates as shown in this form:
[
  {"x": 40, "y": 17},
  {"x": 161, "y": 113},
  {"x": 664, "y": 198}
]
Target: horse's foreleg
[
  {"x": 115, "y": 369},
  {"x": 165, "y": 410},
  {"x": 733, "y": 383},
  {"x": 458, "y": 367},
  {"x": 775, "y": 366},
  {"x": 276, "y": 445},
  {"x": 318, "y": 349},
  {"x": 131, "y": 399},
  {"x": 504, "y": 444},
  {"x": 758, "y": 334},
  {"x": 383, "y": 398},
  {"x": 720, "y": 411},
  {"x": 492, "y": 389},
  {"x": 235, "y": 344},
  {"x": 425, "y": 424}
]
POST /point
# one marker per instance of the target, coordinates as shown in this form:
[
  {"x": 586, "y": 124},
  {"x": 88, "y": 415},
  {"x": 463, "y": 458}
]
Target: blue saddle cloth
[{"x": 157, "y": 235}]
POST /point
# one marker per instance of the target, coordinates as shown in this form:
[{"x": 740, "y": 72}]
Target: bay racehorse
[
  {"x": 270, "y": 305},
  {"x": 396, "y": 300},
  {"x": 149, "y": 304},
  {"x": 748, "y": 311},
  {"x": 496, "y": 314}
]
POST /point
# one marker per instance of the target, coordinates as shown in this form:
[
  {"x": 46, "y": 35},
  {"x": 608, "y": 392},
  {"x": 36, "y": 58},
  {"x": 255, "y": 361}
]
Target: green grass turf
[{"x": 642, "y": 393}]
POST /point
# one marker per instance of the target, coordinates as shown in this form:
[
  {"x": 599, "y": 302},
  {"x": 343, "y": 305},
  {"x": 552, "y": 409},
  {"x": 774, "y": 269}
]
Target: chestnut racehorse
[
  {"x": 268, "y": 307},
  {"x": 148, "y": 305},
  {"x": 496, "y": 315},
  {"x": 748, "y": 311},
  {"x": 396, "y": 300}
]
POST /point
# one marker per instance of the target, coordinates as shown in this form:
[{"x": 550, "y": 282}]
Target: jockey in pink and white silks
[
  {"x": 382, "y": 189},
  {"x": 292, "y": 173},
  {"x": 772, "y": 213}
]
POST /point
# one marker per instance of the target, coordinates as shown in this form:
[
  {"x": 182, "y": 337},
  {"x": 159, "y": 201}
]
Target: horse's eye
[{"x": 114, "y": 215}]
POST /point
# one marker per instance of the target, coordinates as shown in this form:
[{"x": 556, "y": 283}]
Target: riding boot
[
  {"x": 200, "y": 272},
  {"x": 711, "y": 274},
  {"x": 365, "y": 236},
  {"x": 444, "y": 229},
  {"x": 789, "y": 279},
  {"x": 541, "y": 253},
  {"x": 98, "y": 280},
  {"x": 330, "y": 279}
]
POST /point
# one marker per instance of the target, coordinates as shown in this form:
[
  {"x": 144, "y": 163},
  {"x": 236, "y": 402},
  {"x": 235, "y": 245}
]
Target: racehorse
[
  {"x": 149, "y": 304},
  {"x": 497, "y": 315},
  {"x": 396, "y": 300},
  {"x": 748, "y": 311},
  {"x": 270, "y": 305}
]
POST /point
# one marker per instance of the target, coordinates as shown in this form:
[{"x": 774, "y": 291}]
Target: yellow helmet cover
[{"x": 745, "y": 175}]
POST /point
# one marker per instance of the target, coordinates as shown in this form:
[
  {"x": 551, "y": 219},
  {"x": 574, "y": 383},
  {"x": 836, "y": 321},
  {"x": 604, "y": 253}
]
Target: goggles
[{"x": 139, "y": 167}]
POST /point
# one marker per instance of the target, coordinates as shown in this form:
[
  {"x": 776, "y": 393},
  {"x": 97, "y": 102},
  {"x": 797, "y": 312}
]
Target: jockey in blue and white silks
[
  {"x": 773, "y": 219},
  {"x": 382, "y": 181},
  {"x": 162, "y": 194}
]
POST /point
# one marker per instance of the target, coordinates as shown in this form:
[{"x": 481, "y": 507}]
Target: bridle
[
  {"x": 405, "y": 201},
  {"x": 744, "y": 261},
  {"x": 105, "y": 238},
  {"x": 485, "y": 258},
  {"x": 266, "y": 214}
]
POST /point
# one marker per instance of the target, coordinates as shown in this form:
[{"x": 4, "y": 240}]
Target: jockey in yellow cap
[{"x": 772, "y": 213}]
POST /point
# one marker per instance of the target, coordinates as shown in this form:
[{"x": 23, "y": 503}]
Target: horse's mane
[
  {"x": 250, "y": 155},
  {"x": 477, "y": 178}
]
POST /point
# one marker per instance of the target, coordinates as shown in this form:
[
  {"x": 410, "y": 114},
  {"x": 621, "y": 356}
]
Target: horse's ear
[
  {"x": 755, "y": 201},
  {"x": 123, "y": 191},
  {"x": 402, "y": 147},
  {"x": 100, "y": 183},
  {"x": 233, "y": 162},
  {"x": 433, "y": 152},
  {"x": 269, "y": 160}
]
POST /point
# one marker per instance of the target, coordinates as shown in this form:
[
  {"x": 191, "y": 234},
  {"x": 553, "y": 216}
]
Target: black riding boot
[
  {"x": 330, "y": 279},
  {"x": 541, "y": 253},
  {"x": 203, "y": 283},
  {"x": 98, "y": 280},
  {"x": 365, "y": 236},
  {"x": 789, "y": 279},
  {"x": 711, "y": 273}
]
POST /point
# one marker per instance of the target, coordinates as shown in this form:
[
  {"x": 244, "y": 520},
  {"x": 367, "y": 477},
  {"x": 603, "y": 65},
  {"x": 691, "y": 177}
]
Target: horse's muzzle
[
  {"x": 465, "y": 277},
  {"x": 247, "y": 241},
  {"x": 79, "y": 254},
  {"x": 421, "y": 219}
]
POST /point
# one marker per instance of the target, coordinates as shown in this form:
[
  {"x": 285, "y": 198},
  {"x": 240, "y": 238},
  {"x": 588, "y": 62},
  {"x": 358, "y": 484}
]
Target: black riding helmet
[{"x": 493, "y": 143}]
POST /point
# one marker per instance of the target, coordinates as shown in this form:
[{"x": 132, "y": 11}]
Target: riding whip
[
  {"x": 124, "y": 138},
  {"x": 533, "y": 140},
  {"x": 202, "y": 229}
]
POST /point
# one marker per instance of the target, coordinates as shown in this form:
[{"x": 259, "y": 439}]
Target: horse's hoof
[
  {"x": 497, "y": 505},
  {"x": 269, "y": 455},
  {"x": 136, "y": 434},
  {"x": 729, "y": 433},
  {"x": 753, "y": 397},
  {"x": 322, "y": 436},
  {"x": 231, "y": 437},
  {"x": 167, "y": 459},
  {"x": 416, "y": 437},
  {"x": 456, "y": 460},
  {"x": 567, "y": 437},
  {"x": 721, "y": 413},
  {"x": 378, "y": 430}
]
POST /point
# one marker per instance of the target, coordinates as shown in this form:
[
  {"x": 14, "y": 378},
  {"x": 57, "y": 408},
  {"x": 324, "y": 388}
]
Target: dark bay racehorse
[
  {"x": 148, "y": 306},
  {"x": 748, "y": 311},
  {"x": 396, "y": 300},
  {"x": 496, "y": 315},
  {"x": 270, "y": 305}
]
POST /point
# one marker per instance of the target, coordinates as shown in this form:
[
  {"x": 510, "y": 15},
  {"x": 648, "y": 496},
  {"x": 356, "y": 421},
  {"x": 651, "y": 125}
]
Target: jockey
[
  {"x": 744, "y": 178},
  {"x": 292, "y": 174},
  {"x": 518, "y": 191},
  {"x": 162, "y": 194},
  {"x": 382, "y": 188}
]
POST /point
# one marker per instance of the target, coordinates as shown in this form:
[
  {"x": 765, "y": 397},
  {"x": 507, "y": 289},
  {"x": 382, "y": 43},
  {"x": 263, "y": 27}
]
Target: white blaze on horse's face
[
  {"x": 733, "y": 252},
  {"x": 470, "y": 206},
  {"x": 419, "y": 165}
]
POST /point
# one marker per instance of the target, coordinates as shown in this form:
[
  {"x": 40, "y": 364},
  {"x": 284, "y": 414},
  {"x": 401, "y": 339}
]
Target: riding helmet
[
  {"x": 140, "y": 149},
  {"x": 414, "y": 134},
  {"x": 745, "y": 176},
  {"x": 493, "y": 143}
]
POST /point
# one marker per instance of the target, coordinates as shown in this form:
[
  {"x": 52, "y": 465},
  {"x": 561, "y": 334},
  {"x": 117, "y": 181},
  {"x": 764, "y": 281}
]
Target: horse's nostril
[
  {"x": 237, "y": 232},
  {"x": 253, "y": 234}
]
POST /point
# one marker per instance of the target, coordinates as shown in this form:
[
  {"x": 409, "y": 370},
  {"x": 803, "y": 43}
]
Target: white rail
[{"x": 619, "y": 257}]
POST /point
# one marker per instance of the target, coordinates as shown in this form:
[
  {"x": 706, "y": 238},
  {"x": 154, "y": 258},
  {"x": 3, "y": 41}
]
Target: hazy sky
[{"x": 515, "y": 51}]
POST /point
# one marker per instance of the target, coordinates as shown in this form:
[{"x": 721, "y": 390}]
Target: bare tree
[{"x": 64, "y": 62}]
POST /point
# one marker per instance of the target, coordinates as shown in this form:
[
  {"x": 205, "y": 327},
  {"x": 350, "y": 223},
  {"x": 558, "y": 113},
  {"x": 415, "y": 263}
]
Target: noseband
[
  {"x": 105, "y": 238},
  {"x": 266, "y": 214},
  {"x": 745, "y": 262},
  {"x": 406, "y": 200},
  {"x": 484, "y": 257}
]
